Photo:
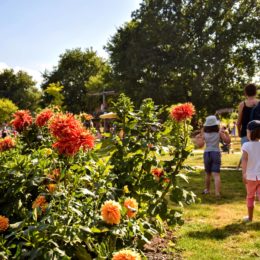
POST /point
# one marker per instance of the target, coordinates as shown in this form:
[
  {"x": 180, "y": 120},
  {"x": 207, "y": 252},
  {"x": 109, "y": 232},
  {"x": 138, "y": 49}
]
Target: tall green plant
[{"x": 147, "y": 145}]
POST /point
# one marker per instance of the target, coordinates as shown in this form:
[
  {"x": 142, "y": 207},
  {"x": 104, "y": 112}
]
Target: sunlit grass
[
  {"x": 213, "y": 228},
  {"x": 228, "y": 160}
]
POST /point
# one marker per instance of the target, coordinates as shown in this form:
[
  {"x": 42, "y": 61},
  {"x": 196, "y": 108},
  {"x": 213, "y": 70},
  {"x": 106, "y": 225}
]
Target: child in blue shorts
[{"x": 211, "y": 136}]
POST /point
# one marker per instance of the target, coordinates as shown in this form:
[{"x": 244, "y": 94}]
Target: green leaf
[
  {"x": 86, "y": 191},
  {"x": 16, "y": 225},
  {"x": 97, "y": 230},
  {"x": 79, "y": 213},
  {"x": 183, "y": 177},
  {"x": 82, "y": 253}
]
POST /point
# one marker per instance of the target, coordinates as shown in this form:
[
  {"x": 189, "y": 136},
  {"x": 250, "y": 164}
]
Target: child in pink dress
[{"x": 251, "y": 166}]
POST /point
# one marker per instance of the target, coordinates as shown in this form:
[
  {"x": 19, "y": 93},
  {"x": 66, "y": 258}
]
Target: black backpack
[{"x": 255, "y": 114}]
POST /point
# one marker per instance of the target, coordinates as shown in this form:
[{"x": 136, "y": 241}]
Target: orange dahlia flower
[
  {"x": 22, "y": 119},
  {"x": 88, "y": 117},
  {"x": 55, "y": 175},
  {"x": 4, "y": 223},
  {"x": 110, "y": 212},
  {"x": 51, "y": 187},
  {"x": 43, "y": 117},
  {"x": 158, "y": 172},
  {"x": 182, "y": 112},
  {"x": 166, "y": 180},
  {"x": 132, "y": 207},
  {"x": 40, "y": 202},
  {"x": 126, "y": 254},
  {"x": 6, "y": 143}
]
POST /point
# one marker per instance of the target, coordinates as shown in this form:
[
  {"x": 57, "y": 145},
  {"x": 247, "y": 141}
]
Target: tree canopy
[
  {"x": 190, "y": 50},
  {"x": 79, "y": 72},
  {"x": 19, "y": 88},
  {"x": 7, "y": 108}
]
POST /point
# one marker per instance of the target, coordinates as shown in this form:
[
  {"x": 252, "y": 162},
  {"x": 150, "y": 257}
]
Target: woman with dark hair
[
  {"x": 244, "y": 112},
  {"x": 211, "y": 136}
]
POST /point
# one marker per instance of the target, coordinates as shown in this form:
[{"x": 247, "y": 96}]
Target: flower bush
[{"x": 66, "y": 196}]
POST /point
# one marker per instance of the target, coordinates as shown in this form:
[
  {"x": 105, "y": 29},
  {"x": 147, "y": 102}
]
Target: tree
[
  {"x": 20, "y": 88},
  {"x": 7, "y": 108},
  {"x": 54, "y": 90},
  {"x": 79, "y": 72},
  {"x": 179, "y": 51}
]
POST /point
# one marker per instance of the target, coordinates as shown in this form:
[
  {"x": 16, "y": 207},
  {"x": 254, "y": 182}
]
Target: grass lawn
[
  {"x": 213, "y": 228},
  {"x": 228, "y": 160}
]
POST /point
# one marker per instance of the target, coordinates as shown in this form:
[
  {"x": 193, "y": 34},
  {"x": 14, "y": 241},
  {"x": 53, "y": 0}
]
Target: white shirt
[{"x": 253, "y": 164}]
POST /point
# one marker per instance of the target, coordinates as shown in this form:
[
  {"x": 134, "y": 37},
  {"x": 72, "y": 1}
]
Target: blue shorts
[{"x": 212, "y": 161}]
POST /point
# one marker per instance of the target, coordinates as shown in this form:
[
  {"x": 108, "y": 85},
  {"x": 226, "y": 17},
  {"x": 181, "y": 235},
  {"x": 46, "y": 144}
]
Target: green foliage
[
  {"x": 7, "y": 108},
  {"x": 68, "y": 225},
  {"x": 179, "y": 51},
  {"x": 144, "y": 145},
  {"x": 54, "y": 90},
  {"x": 20, "y": 89},
  {"x": 79, "y": 72}
]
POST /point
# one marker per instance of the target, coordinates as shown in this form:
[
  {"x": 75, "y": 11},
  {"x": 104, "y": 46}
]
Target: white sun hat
[{"x": 211, "y": 120}]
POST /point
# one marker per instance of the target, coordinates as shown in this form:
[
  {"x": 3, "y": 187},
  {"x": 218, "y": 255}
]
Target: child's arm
[
  {"x": 244, "y": 165},
  {"x": 224, "y": 136},
  {"x": 199, "y": 140}
]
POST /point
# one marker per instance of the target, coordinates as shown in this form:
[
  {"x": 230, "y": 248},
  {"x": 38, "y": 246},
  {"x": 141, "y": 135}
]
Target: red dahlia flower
[
  {"x": 43, "y": 117},
  {"x": 182, "y": 112},
  {"x": 65, "y": 126},
  {"x": 70, "y": 134},
  {"x": 157, "y": 172},
  {"x": 22, "y": 119},
  {"x": 70, "y": 146},
  {"x": 6, "y": 143}
]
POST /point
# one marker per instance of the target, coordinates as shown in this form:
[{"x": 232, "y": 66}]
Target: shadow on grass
[
  {"x": 226, "y": 231},
  {"x": 233, "y": 189}
]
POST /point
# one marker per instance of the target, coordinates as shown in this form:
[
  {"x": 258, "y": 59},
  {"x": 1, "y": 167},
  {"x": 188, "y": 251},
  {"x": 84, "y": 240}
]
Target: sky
[{"x": 33, "y": 33}]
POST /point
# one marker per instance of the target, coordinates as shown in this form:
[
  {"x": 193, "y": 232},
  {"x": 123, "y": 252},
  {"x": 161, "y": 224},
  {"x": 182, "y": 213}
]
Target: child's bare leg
[
  {"x": 217, "y": 182},
  {"x": 251, "y": 188},
  {"x": 250, "y": 211},
  {"x": 207, "y": 180}
]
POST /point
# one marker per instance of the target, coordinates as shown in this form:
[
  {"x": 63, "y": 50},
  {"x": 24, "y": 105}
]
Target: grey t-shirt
[{"x": 212, "y": 142}]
